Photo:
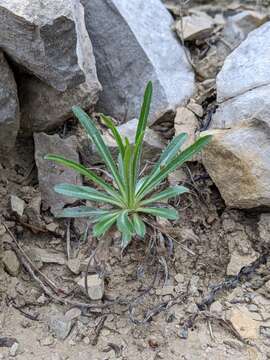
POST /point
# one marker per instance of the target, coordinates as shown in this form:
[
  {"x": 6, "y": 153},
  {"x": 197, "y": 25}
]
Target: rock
[
  {"x": 237, "y": 160},
  {"x": 49, "y": 173},
  {"x": 95, "y": 286},
  {"x": 165, "y": 290},
  {"x": 47, "y": 256},
  {"x": 17, "y": 205},
  {"x": 264, "y": 228},
  {"x": 238, "y": 261},
  {"x": 73, "y": 313},
  {"x": 186, "y": 122},
  {"x": 152, "y": 145},
  {"x": 179, "y": 278},
  {"x": 237, "y": 75},
  {"x": 242, "y": 321},
  {"x": 9, "y": 108},
  {"x": 236, "y": 29},
  {"x": 60, "y": 326},
  {"x": 11, "y": 262},
  {"x": 196, "y": 108},
  {"x": 74, "y": 265},
  {"x": 46, "y": 38},
  {"x": 13, "y": 351},
  {"x": 251, "y": 104},
  {"x": 216, "y": 308},
  {"x": 195, "y": 27},
  {"x": 134, "y": 53},
  {"x": 177, "y": 176},
  {"x": 47, "y": 341}
]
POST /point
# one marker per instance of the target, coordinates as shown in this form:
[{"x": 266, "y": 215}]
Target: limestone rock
[
  {"x": 242, "y": 321},
  {"x": 17, "y": 205},
  {"x": 238, "y": 162},
  {"x": 60, "y": 326},
  {"x": 196, "y": 26},
  {"x": 9, "y": 108},
  {"x": 43, "y": 106},
  {"x": 50, "y": 173},
  {"x": 11, "y": 262},
  {"x": 131, "y": 49},
  {"x": 237, "y": 75},
  {"x": 95, "y": 286},
  {"x": 44, "y": 38},
  {"x": 152, "y": 145},
  {"x": 238, "y": 261},
  {"x": 186, "y": 122},
  {"x": 264, "y": 228}
]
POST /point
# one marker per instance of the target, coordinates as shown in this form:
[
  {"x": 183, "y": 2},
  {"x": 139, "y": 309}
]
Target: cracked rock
[{"x": 131, "y": 49}]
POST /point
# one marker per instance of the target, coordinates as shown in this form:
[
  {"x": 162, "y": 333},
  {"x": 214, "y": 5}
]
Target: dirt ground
[{"x": 195, "y": 289}]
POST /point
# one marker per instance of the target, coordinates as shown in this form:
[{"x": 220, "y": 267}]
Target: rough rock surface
[
  {"x": 9, "y": 107},
  {"x": 43, "y": 106},
  {"x": 237, "y": 75},
  {"x": 49, "y": 173},
  {"x": 131, "y": 49},
  {"x": 186, "y": 122},
  {"x": 42, "y": 37},
  {"x": 152, "y": 145},
  {"x": 238, "y": 162}
]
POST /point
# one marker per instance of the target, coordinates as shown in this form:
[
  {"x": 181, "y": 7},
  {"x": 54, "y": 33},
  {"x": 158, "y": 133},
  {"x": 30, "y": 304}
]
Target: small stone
[
  {"x": 73, "y": 313},
  {"x": 17, "y": 205},
  {"x": 242, "y": 321},
  {"x": 238, "y": 261},
  {"x": 194, "y": 27},
  {"x": 13, "y": 351},
  {"x": 52, "y": 227},
  {"x": 177, "y": 176},
  {"x": 74, "y": 265},
  {"x": 216, "y": 308},
  {"x": 166, "y": 290},
  {"x": 179, "y": 278},
  {"x": 42, "y": 299},
  {"x": 196, "y": 108},
  {"x": 60, "y": 326},
  {"x": 47, "y": 341},
  {"x": 11, "y": 262},
  {"x": 95, "y": 286},
  {"x": 192, "y": 308},
  {"x": 265, "y": 331},
  {"x": 186, "y": 122}
]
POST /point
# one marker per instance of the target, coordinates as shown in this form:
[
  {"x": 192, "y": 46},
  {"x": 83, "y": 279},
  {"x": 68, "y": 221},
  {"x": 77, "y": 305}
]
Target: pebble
[
  {"x": 166, "y": 290},
  {"x": 17, "y": 205},
  {"x": 13, "y": 351},
  {"x": 11, "y": 262},
  {"x": 47, "y": 341},
  {"x": 179, "y": 278},
  {"x": 73, "y": 313},
  {"x": 60, "y": 326},
  {"x": 74, "y": 266},
  {"x": 95, "y": 286}
]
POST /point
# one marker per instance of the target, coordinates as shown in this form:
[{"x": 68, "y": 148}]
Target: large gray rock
[
  {"x": 49, "y": 173},
  {"x": 133, "y": 43},
  {"x": 44, "y": 107},
  {"x": 44, "y": 37},
  {"x": 247, "y": 67},
  {"x": 238, "y": 161},
  {"x": 9, "y": 108}
]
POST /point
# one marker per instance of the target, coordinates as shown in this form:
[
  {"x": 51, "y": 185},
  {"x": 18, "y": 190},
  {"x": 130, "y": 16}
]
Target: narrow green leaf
[
  {"x": 85, "y": 193},
  {"x": 139, "y": 225},
  {"x": 166, "y": 194},
  {"x": 104, "y": 224},
  {"x": 165, "y": 213},
  {"x": 176, "y": 162},
  {"x": 128, "y": 173},
  {"x": 97, "y": 139},
  {"x": 109, "y": 123},
  {"x": 81, "y": 211},
  {"x": 86, "y": 172},
  {"x": 144, "y": 110},
  {"x": 124, "y": 224}
]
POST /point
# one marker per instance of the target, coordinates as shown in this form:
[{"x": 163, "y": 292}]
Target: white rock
[
  {"x": 238, "y": 74},
  {"x": 186, "y": 122},
  {"x": 238, "y": 261},
  {"x": 17, "y": 205},
  {"x": 11, "y": 262},
  {"x": 135, "y": 52}
]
